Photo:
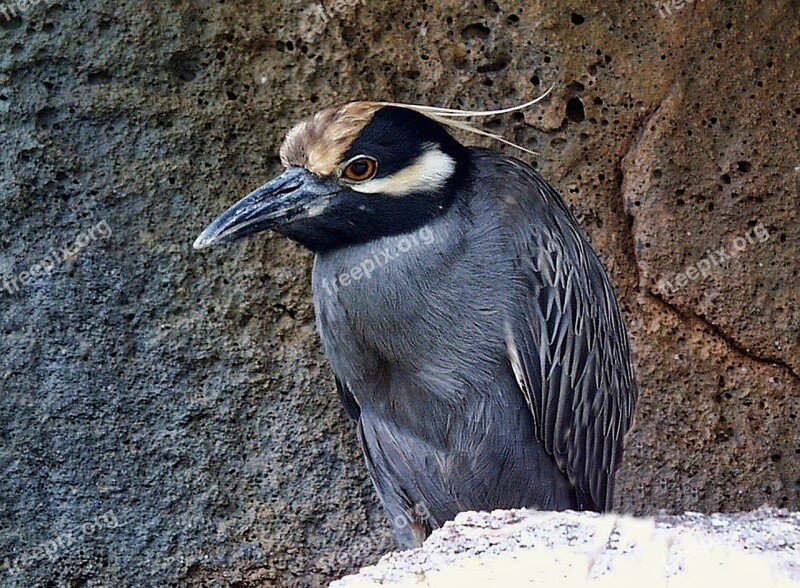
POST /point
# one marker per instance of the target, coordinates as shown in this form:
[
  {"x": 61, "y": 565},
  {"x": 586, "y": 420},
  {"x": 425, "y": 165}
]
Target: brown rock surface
[{"x": 188, "y": 393}]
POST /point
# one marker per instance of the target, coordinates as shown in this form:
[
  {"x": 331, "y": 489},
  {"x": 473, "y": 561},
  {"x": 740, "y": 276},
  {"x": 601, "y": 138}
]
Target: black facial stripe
[{"x": 397, "y": 136}]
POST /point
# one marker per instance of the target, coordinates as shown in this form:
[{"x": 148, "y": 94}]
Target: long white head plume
[{"x": 450, "y": 117}]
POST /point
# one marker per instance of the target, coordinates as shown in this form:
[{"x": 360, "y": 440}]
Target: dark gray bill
[{"x": 293, "y": 195}]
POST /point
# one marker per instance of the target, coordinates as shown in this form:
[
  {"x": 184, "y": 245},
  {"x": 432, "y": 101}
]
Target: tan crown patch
[{"x": 319, "y": 142}]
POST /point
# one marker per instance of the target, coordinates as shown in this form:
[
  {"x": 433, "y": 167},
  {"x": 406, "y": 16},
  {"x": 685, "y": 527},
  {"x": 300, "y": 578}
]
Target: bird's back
[{"x": 567, "y": 340}]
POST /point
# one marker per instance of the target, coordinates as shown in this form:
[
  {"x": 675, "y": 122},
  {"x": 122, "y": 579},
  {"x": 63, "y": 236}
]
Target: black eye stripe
[{"x": 396, "y": 137}]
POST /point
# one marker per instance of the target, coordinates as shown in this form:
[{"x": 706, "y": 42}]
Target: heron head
[{"x": 352, "y": 173}]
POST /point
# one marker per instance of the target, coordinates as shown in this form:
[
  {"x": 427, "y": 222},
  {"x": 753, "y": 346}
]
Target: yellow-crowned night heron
[{"x": 473, "y": 332}]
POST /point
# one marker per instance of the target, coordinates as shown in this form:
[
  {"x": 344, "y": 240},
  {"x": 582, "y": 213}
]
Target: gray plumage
[{"x": 488, "y": 369}]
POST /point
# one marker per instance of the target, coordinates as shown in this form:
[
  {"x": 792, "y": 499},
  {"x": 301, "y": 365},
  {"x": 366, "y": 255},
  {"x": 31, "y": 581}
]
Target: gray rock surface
[
  {"x": 571, "y": 550},
  {"x": 167, "y": 417}
]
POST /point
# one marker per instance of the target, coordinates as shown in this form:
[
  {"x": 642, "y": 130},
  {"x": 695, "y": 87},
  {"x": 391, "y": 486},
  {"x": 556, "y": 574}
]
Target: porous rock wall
[{"x": 167, "y": 417}]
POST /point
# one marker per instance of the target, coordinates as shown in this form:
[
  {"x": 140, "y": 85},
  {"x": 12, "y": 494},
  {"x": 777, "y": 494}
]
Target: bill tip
[{"x": 201, "y": 243}]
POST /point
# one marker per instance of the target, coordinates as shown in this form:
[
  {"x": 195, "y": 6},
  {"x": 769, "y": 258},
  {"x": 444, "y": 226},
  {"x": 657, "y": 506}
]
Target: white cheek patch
[{"x": 430, "y": 171}]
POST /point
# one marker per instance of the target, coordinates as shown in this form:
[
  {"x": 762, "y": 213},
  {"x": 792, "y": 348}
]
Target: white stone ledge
[{"x": 529, "y": 548}]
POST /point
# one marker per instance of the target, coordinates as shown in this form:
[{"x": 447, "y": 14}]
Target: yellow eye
[{"x": 360, "y": 169}]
